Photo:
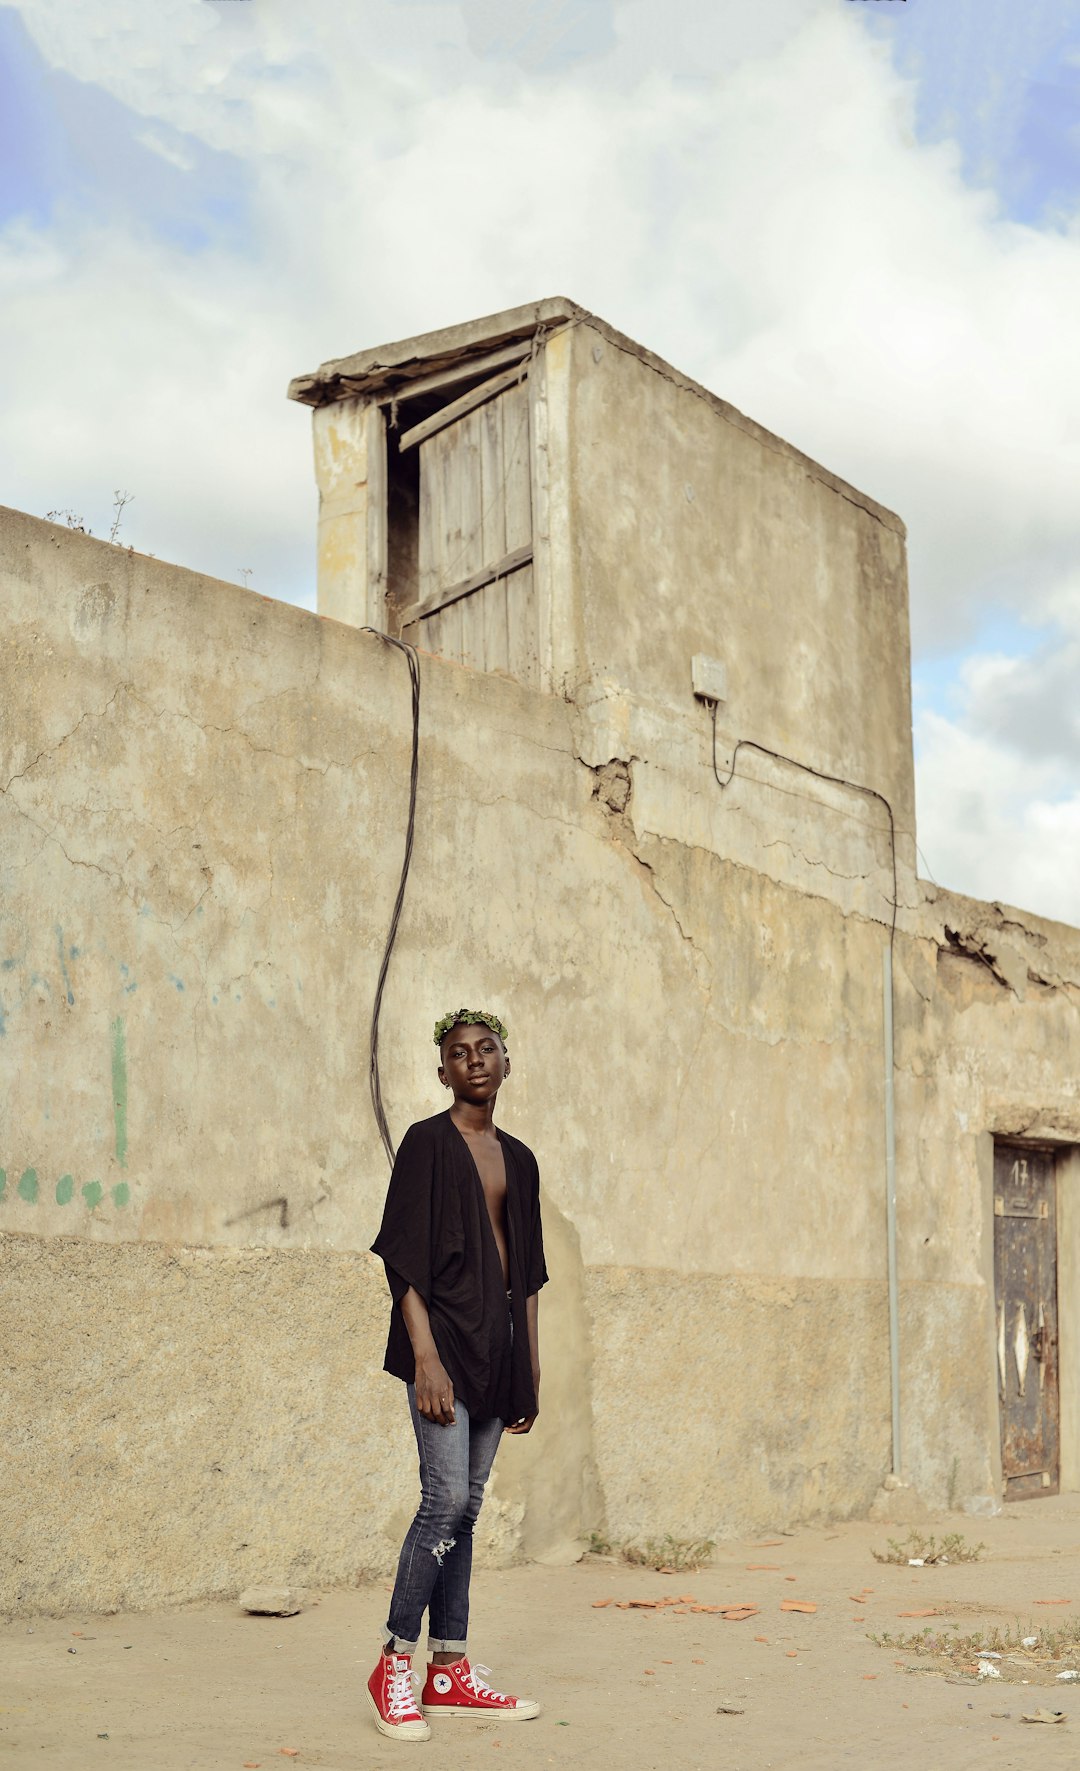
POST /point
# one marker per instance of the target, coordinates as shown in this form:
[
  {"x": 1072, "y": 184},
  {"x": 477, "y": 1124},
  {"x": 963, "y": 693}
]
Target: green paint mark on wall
[
  {"x": 92, "y": 1193},
  {"x": 28, "y": 1186},
  {"x": 3, "y": 1182},
  {"x": 121, "y": 1193},
  {"x": 65, "y": 1188},
  {"x": 120, "y": 1089}
]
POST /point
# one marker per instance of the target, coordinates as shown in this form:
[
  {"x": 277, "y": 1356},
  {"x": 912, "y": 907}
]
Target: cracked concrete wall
[
  {"x": 202, "y": 814},
  {"x": 201, "y": 824},
  {"x": 695, "y": 530},
  {"x": 988, "y": 1027}
]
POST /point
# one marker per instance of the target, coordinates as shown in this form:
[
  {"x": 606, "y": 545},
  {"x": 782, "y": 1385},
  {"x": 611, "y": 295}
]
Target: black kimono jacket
[{"x": 436, "y": 1236}]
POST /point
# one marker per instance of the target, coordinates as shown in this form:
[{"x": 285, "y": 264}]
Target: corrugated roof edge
[{"x": 370, "y": 370}]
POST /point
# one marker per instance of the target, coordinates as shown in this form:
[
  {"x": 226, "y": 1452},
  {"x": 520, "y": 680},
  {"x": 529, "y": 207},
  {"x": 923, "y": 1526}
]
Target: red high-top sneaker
[
  {"x": 463, "y": 1690},
  {"x": 391, "y": 1696}
]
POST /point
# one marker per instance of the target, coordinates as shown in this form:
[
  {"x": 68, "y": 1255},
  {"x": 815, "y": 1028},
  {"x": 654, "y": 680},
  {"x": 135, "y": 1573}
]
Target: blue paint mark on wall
[
  {"x": 179, "y": 982},
  {"x": 63, "y": 964},
  {"x": 8, "y": 965}
]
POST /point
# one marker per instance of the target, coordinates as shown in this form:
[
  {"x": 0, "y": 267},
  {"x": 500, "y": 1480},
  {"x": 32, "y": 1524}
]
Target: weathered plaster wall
[
  {"x": 988, "y": 1031},
  {"x": 695, "y": 530},
  {"x": 350, "y": 476},
  {"x": 201, "y": 825}
]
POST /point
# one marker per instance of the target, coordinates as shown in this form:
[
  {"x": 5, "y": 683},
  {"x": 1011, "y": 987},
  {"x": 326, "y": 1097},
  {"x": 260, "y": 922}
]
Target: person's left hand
[
  {"x": 523, "y": 1426},
  {"x": 527, "y": 1421}
]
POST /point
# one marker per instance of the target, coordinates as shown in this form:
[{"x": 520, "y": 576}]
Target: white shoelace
[
  {"x": 478, "y": 1676},
  {"x": 401, "y": 1701}
]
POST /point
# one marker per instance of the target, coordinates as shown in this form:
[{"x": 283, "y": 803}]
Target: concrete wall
[
  {"x": 201, "y": 825},
  {"x": 350, "y": 457},
  {"x": 695, "y": 530}
]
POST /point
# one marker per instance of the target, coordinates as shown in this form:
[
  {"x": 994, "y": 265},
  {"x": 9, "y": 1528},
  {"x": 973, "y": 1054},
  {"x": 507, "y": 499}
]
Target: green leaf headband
[{"x": 469, "y": 1016}]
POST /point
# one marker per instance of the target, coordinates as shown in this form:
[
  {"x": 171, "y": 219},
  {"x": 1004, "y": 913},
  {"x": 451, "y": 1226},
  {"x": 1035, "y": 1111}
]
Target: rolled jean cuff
[
  {"x": 434, "y": 1646},
  {"x": 398, "y": 1644}
]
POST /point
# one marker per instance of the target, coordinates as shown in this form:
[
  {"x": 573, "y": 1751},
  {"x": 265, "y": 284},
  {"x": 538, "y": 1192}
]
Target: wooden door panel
[
  {"x": 523, "y": 627},
  {"x": 476, "y": 524},
  {"x": 463, "y": 465},
  {"x": 496, "y": 641},
  {"x": 492, "y": 475},
  {"x": 1025, "y": 1287},
  {"x": 517, "y": 476}
]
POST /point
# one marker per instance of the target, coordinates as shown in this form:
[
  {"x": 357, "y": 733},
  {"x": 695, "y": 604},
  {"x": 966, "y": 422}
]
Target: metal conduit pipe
[{"x": 890, "y": 1210}]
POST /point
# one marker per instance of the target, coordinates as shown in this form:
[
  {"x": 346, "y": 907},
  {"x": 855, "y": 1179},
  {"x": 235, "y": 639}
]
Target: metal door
[{"x": 1025, "y": 1294}]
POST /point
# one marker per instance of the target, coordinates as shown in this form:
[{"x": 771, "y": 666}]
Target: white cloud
[
  {"x": 995, "y": 824},
  {"x": 168, "y": 151},
  {"x": 738, "y": 187}
]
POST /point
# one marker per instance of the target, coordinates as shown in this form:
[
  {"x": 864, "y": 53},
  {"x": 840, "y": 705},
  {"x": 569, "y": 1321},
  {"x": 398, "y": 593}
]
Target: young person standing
[{"x": 464, "y": 1256}]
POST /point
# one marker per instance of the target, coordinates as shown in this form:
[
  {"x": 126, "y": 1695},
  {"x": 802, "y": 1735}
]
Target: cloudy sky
[{"x": 858, "y": 220}]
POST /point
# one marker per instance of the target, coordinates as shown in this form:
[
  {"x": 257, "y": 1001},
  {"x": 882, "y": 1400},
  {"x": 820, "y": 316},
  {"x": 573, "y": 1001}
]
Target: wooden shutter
[{"x": 477, "y": 600}]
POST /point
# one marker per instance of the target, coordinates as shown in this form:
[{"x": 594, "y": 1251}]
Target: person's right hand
[{"x": 434, "y": 1391}]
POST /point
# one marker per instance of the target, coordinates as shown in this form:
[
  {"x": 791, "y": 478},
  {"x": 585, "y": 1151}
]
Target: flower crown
[{"x": 468, "y": 1016}]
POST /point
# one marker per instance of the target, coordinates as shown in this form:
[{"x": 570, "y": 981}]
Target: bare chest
[{"x": 491, "y": 1167}]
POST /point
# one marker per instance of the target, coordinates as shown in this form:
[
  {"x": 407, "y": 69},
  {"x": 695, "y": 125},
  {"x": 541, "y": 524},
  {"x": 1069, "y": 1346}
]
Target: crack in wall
[
  {"x": 970, "y": 946},
  {"x": 781, "y": 842},
  {"x": 613, "y": 790},
  {"x": 117, "y": 875},
  {"x": 50, "y": 750}
]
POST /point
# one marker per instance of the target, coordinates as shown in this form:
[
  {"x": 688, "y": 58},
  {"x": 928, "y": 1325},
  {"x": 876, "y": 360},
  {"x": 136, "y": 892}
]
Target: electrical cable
[
  {"x": 820, "y": 775},
  {"x": 414, "y": 772}
]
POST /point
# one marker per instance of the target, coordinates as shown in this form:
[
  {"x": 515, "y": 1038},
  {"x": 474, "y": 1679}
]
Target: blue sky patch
[
  {"x": 936, "y": 680},
  {"x": 1001, "y": 78},
  {"x": 69, "y": 150}
]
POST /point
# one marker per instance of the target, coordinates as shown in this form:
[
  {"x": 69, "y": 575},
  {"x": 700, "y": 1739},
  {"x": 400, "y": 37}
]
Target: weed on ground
[
  {"x": 669, "y": 1555},
  {"x": 918, "y": 1551}
]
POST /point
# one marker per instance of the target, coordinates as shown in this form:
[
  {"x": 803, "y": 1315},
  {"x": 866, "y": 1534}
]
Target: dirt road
[{"x": 211, "y": 1689}]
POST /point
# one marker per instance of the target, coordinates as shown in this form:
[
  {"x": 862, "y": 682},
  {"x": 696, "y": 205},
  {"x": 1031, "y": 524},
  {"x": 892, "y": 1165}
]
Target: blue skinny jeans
[{"x": 435, "y": 1565}]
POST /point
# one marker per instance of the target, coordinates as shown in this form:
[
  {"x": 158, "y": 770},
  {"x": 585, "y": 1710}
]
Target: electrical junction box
[{"x": 709, "y": 677}]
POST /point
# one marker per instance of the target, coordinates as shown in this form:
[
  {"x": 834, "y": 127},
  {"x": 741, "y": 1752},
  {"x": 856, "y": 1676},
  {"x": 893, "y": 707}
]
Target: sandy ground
[{"x": 209, "y": 1687}]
